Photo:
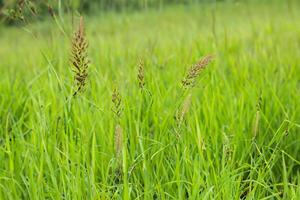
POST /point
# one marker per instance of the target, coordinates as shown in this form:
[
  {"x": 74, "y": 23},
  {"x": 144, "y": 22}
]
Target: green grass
[{"x": 53, "y": 146}]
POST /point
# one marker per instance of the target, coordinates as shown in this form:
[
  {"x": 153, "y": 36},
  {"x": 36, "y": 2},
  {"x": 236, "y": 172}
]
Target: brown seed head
[
  {"x": 195, "y": 70},
  {"x": 79, "y": 58}
]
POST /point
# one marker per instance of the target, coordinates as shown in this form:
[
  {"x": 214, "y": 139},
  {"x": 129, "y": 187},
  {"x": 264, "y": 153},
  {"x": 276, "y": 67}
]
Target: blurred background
[{"x": 10, "y": 10}]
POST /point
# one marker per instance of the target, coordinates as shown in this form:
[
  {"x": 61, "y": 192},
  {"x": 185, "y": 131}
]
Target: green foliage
[{"x": 235, "y": 135}]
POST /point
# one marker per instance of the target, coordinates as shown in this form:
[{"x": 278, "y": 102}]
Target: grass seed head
[
  {"x": 195, "y": 70},
  {"x": 79, "y": 58},
  {"x": 141, "y": 74},
  {"x": 257, "y": 116},
  {"x": 17, "y": 13},
  {"x": 116, "y": 99},
  {"x": 118, "y": 140},
  {"x": 184, "y": 109}
]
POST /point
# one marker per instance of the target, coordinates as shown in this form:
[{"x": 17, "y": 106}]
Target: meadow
[{"x": 136, "y": 131}]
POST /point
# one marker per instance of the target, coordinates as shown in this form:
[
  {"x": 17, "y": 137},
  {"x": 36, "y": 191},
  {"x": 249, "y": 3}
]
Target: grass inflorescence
[
  {"x": 195, "y": 70},
  {"x": 79, "y": 58}
]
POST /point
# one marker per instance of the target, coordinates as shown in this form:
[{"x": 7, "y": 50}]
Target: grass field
[{"x": 235, "y": 135}]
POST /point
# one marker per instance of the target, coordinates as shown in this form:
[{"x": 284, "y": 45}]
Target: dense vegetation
[{"x": 132, "y": 126}]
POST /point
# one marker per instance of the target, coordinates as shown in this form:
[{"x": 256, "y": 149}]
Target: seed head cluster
[
  {"x": 195, "y": 70},
  {"x": 79, "y": 58}
]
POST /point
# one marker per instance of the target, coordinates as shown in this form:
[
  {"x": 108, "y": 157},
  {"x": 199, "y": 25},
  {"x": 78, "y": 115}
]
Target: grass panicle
[
  {"x": 118, "y": 140},
  {"x": 17, "y": 13},
  {"x": 79, "y": 58},
  {"x": 195, "y": 70},
  {"x": 117, "y": 110},
  {"x": 118, "y": 134},
  {"x": 116, "y": 99},
  {"x": 182, "y": 112},
  {"x": 141, "y": 73},
  {"x": 257, "y": 116},
  {"x": 21, "y": 10}
]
